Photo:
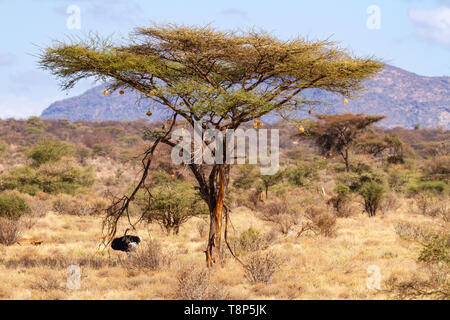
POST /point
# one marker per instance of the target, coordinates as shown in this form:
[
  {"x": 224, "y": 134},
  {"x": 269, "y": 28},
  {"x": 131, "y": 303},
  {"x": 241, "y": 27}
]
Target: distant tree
[
  {"x": 372, "y": 143},
  {"x": 397, "y": 149},
  {"x": 48, "y": 150},
  {"x": 271, "y": 180},
  {"x": 338, "y": 133},
  {"x": 224, "y": 79}
]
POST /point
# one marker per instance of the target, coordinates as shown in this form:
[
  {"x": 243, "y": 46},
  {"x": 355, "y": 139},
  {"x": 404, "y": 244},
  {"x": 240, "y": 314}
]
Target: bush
[
  {"x": 54, "y": 178},
  {"x": 280, "y": 213},
  {"x": 398, "y": 179},
  {"x": 322, "y": 222},
  {"x": 436, "y": 249},
  {"x": 372, "y": 193},
  {"x": 251, "y": 240},
  {"x": 13, "y": 206},
  {"x": 429, "y": 187},
  {"x": 150, "y": 256},
  {"x": 79, "y": 205},
  {"x": 173, "y": 202},
  {"x": 301, "y": 174},
  {"x": 10, "y": 231},
  {"x": 437, "y": 168},
  {"x": 390, "y": 202},
  {"x": 48, "y": 151},
  {"x": 341, "y": 201},
  {"x": 409, "y": 231},
  {"x": 431, "y": 206},
  {"x": 261, "y": 267},
  {"x": 194, "y": 283}
]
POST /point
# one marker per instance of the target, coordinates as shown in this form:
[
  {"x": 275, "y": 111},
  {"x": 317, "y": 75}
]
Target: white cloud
[{"x": 433, "y": 24}]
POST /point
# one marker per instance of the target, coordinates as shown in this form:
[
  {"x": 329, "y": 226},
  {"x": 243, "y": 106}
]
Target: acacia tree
[
  {"x": 223, "y": 79},
  {"x": 338, "y": 133}
]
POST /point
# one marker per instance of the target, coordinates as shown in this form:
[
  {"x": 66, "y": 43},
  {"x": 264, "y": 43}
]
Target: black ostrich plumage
[{"x": 123, "y": 243}]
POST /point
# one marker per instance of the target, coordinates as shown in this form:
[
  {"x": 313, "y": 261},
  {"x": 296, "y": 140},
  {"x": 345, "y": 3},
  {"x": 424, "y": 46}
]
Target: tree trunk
[
  {"x": 212, "y": 252},
  {"x": 347, "y": 165}
]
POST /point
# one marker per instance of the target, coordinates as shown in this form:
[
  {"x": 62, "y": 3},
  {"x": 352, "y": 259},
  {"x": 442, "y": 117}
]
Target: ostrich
[{"x": 126, "y": 243}]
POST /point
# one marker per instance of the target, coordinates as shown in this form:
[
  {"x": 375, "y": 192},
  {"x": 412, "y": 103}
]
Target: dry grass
[{"x": 318, "y": 267}]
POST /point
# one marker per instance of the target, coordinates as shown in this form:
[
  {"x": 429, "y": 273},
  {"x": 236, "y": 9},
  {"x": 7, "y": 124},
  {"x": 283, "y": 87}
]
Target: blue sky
[{"x": 412, "y": 34}]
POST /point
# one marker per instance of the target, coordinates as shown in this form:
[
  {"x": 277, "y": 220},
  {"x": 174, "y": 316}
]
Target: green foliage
[
  {"x": 271, "y": 180},
  {"x": 36, "y": 122},
  {"x": 436, "y": 249},
  {"x": 218, "y": 73},
  {"x": 428, "y": 187},
  {"x": 372, "y": 193},
  {"x": 49, "y": 151},
  {"x": 57, "y": 177},
  {"x": 398, "y": 178},
  {"x": 12, "y": 206},
  {"x": 246, "y": 176},
  {"x": 173, "y": 202},
  {"x": 250, "y": 240},
  {"x": 301, "y": 174}
]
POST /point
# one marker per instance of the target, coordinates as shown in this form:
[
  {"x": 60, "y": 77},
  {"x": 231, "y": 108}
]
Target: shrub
[
  {"x": 12, "y": 206},
  {"x": 280, "y": 213},
  {"x": 436, "y": 249},
  {"x": 149, "y": 256},
  {"x": 429, "y": 187},
  {"x": 54, "y": 178},
  {"x": 390, "y": 202},
  {"x": 49, "y": 150},
  {"x": 322, "y": 222},
  {"x": 172, "y": 203},
  {"x": 82, "y": 153},
  {"x": 251, "y": 240},
  {"x": 431, "y": 206},
  {"x": 261, "y": 267},
  {"x": 194, "y": 283},
  {"x": 372, "y": 193},
  {"x": 341, "y": 201},
  {"x": 398, "y": 179},
  {"x": 301, "y": 174},
  {"x": 10, "y": 231},
  {"x": 437, "y": 168},
  {"x": 79, "y": 205},
  {"x": 409, "y": 231}
]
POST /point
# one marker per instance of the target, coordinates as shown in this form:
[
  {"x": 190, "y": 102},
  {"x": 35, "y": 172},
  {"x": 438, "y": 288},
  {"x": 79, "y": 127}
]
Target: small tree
[
  {"x": 223, "y": 79},
  {"x": 49, "y": 151},
  {"x": 372, "y": 193},
  {"x": 271, "y": 180},
  {"x": 173, "y": 203},
  {"x": 338, "y": 133},
  {"x": 397, "y": 149}
]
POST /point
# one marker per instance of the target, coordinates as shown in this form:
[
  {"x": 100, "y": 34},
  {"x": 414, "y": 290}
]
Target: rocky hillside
[{"x": 404, "y": 97}]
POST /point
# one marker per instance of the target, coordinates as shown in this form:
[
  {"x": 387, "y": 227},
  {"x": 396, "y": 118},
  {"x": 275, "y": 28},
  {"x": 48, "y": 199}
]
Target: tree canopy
[{"x": 226, "y": 77}]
